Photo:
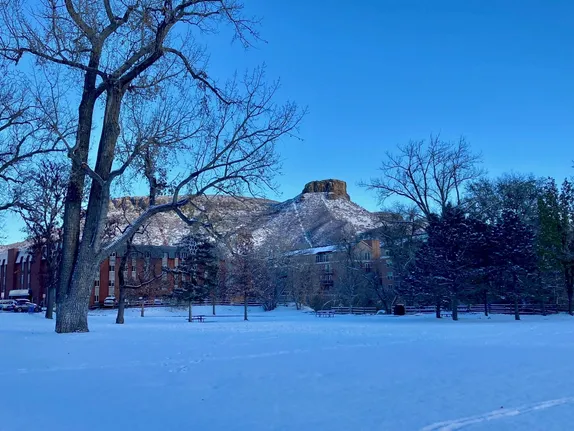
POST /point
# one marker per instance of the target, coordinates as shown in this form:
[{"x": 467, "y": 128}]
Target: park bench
[
  {"x": 354, "y": 310},
  {"x": 325, "y": 313}
]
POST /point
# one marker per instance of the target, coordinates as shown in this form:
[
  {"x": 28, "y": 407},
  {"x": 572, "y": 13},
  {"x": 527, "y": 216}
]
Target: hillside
[{"x": 323, "y": 214}]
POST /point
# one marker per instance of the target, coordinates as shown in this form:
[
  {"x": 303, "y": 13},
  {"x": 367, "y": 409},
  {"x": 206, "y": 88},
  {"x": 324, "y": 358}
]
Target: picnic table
[
  {"x": 200, "y": 318},
  {"x": 325, "y": 313}
]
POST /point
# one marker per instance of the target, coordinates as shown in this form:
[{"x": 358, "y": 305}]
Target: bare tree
[
  {"x": 303, "y": 280},
  {"x": 24, "y": 136},
  {"x": 353, "y": 278},
  {"x": 117, "y": 225},
  {"x": 41, "y": 207},
  {"x": 431, "y": 174},
  {"x": 129, "y": 53}
]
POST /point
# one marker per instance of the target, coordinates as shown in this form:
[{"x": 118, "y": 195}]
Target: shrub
[{"x": 399, "y": 310}]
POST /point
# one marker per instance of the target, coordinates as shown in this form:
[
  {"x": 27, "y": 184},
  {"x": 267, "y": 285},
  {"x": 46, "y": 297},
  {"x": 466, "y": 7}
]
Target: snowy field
[{"x": 287, "y": 370}]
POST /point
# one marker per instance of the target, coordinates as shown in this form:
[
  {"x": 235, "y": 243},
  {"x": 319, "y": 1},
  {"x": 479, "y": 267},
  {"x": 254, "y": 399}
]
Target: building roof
[{"x": 314, "y": 250}]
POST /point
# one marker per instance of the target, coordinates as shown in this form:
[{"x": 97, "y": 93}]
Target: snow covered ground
[{"x": 287, "y": 370}]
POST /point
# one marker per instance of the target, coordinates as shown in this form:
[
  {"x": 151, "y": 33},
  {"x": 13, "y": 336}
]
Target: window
[
  {"x": 96, "y": 298},
  {"x": 368, "y": 267},
  {"x": 96, "y": 283},
  {"x": 328, "y": 267},
  {"x": 113, "y": 254},
  {"x": 147, "y": 254},
  {"x": 389, "y": 275},
  {"x": 133, "y": 269},
  {"x": 322, "y": 257},
  {"x": 164, "y": 265},
  {"x": 112, "y": 266},
  {"x": 112, "y": 284},
  {"x": 368, "y": 255}
]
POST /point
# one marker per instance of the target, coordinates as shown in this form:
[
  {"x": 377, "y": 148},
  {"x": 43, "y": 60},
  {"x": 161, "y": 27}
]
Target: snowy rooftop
[{"x": 314, "y": 250}]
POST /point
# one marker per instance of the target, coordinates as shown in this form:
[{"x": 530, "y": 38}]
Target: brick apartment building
[
  {"x": 23, "y": 275},
  {"x": 328, "y": 262}
]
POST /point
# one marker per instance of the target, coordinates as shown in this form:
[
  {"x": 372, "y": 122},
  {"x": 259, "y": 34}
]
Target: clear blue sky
[{"x": 377, "y": 73}]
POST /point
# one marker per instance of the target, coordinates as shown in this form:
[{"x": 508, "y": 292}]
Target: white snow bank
[{"x": 287, "y": 370}]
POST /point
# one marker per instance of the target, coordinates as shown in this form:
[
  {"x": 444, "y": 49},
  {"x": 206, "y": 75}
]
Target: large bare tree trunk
[
  {"x": 81, "y": 269},
  {"x": 123, "y": 293},
  {"x": 50, "y": 297},
  {"x": 454, "y": 307},
  {"x": 121, "y": 306},
  {"x": 72, "y": 308},
  {"x": 516, "y": 297},
  {"x": 68, "y": 316},
  {"x": 485, "y": 302},
  {"x": 245, "y": 307},
  {"x": 189, "y": 311}
]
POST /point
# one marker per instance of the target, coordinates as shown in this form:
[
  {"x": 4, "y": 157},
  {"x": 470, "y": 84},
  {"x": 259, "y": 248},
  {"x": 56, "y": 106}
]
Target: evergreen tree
[
  {"x": 480, "y": 268},
  {"x": 566, "y": 201},
  {"x": 422, "y": 285},
  {"x": 548, "y": 242},
  {"x": 198, "y": 269},
  {"x": 514, "y": 257},
  {"x": 444, "y": 265}
]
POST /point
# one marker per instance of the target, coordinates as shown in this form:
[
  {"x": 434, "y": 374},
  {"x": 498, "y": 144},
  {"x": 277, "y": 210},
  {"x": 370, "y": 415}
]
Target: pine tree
[
  {"x": 444, "y": 264},
  {"x": 479, "y": 256},
  {"x": 514, "y": 257},
  {"x": 566, "y": 201},
  {"x": 548, "y": 243},
  {"x": 198, "y": 269}
]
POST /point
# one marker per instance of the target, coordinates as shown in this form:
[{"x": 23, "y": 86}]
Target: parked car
[
  {"x": 110, "y": 301},
  {"x": 157, "y": 302},
  {"x": 23, "y": 305},
  {"x": 7, "y": 305}
]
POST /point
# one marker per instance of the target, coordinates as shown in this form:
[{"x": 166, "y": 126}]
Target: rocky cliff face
[
  {"x": 334, "y": 189},
  {"x": 322, "y": 215}
]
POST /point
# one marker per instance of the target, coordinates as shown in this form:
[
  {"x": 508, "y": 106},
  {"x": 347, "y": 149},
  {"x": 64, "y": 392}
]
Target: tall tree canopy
[{"x": 142, "y": 67}]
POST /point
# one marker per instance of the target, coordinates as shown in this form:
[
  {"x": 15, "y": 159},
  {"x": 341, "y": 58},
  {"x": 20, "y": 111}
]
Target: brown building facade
[
  {"x": 23, "y": 275},
  {"x": 341, "y": 267}
]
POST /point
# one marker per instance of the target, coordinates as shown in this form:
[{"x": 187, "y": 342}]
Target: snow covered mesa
[{"x": 322, "y": 215}]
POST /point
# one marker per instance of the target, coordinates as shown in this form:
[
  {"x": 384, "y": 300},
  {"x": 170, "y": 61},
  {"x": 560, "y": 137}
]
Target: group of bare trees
[{"x": 124, "y": 84}]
